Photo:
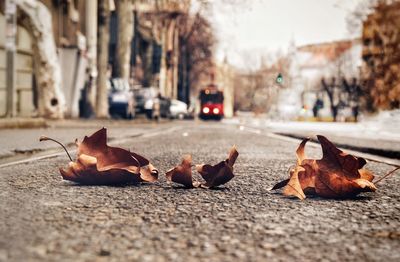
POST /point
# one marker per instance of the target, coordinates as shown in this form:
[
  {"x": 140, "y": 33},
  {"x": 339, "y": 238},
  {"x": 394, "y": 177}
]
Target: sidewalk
[
  {"x": 376, "y": 135},
  {"x": 22, "y": 123},
  {"x": 12, "y": 123},
  {"x": 20, "y": 137}
]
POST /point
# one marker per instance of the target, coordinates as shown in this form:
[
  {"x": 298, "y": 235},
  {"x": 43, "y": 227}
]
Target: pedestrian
[
  {"x": 319, "y": 104},
  {"x": 156, "y": 107}
]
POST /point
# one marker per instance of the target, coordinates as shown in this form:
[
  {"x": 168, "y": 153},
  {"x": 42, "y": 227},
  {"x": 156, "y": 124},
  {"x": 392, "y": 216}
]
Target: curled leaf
[
  {"x": 149, "y": 173},
  {"x": 182, "y": 174},
  {"x": 98, "y": 163},
  {"x": 220, "y": 173},
  {"x": 335, "y": 175},
  {"x": 293, "y": 187},
  {"x": 280, "y": 184}
]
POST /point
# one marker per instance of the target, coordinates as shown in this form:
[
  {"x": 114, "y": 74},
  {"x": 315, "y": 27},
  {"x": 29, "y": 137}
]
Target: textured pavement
[
  {"x": 17, "y": 142},
  {"x": 46, "y": 219}
]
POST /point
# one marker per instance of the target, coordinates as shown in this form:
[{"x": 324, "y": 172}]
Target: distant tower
[{"x": 227, "y": 83}]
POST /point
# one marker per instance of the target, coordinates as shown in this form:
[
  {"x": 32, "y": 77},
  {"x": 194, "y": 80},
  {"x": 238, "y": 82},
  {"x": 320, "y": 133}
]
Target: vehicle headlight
[
  {"x": 216, "y": 111},
  {"x": 206, "y": 110}
]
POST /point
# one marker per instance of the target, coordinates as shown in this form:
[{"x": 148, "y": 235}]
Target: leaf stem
[
  {"x": 388, "y": 174},
  {"x": 45, "y": 138}
]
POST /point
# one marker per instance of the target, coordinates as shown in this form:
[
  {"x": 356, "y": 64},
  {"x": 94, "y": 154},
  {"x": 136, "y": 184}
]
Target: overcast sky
[{"x": 264, "y": 26}]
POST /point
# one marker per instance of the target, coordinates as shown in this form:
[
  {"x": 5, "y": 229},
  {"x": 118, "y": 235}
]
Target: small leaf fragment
[
  {"x": 182, "y": 174},
  {"x": 149, "y": 173},
  {"x": 280, "y": 184},
  {"x": 220, "y": 173},
  {"x": 293, "y": 187}
]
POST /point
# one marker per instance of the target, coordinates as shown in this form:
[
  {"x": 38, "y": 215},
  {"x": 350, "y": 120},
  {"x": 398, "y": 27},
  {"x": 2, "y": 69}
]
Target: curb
[
  {"x": 393, "y": 154},
  {"x": 95, "y": 123},
  {"x": 22, "y": 123},
  {"x": 26, "y": 123}
]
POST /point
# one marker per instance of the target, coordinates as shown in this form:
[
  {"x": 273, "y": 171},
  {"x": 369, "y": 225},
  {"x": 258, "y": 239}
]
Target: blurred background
[{"x": 303, "y": 60}]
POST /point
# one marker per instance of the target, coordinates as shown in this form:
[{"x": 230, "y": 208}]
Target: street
[{"x": 47, "y": 219}]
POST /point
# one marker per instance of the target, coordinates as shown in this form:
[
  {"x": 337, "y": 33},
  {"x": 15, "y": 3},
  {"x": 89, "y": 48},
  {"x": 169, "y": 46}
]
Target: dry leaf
[
  {"x": 220, "y": 173},
  {"x": 182, "y": 174},
  {"x": 98, "y": 163},
  {"x": 149, "y": 173},
  {"x": 336, "y": 175}
]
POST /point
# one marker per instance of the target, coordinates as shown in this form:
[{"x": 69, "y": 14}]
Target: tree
[
  {"x": 358, "y": 15},
  {"x": 125, "y": 35},
  {"x": 197, "y": 41},
  {"x": 381, "y": 38},
  {"x": 104, "y": 39},
  {"x": 333, "y": 93},
  {"x": 354, "y": 91},
  {"x": 160, "y": 23},
  {"x": 36, "y": 17}
]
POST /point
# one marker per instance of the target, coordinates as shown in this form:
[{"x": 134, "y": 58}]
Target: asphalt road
[{"x": 44, "y": 218}]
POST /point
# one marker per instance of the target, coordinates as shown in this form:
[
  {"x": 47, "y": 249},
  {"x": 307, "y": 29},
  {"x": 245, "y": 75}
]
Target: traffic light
[{"x": 279, "y": 79}]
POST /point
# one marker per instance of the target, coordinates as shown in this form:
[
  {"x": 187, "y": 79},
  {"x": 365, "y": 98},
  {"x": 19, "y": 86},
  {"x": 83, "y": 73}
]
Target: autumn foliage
[
  {"x": 182, "y": 174},
  {"x": 214, "y": 175},
  {"x": 98, "y": 163},
  {"x": 336, "y": 175},
  {"x": 381, "y": 46}
]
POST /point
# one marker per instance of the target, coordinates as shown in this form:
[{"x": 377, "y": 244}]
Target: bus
[{"x": 211, "y": 103}]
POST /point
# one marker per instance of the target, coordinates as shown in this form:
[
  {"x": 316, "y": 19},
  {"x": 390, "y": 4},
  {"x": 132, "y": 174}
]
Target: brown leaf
[
  {"x": 280, "y": 184},
  {"x": 293, "y": 187},
  {"x": 149, "y": 173},
  {"x": 98, "y": 163},
  {"x": 182, "y": 174},
  {"x": 220, "y": 173},
  {"x": 335, "y": 159},
  {"x": 301, "y": 155},
  {"x": 366, "y": 174},
  {"x": 336, "y": 175},
  {"x": 305, "y": 175}
]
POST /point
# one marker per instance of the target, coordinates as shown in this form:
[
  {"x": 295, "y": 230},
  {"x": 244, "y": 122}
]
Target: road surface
[{"x": 44, "y": 218}]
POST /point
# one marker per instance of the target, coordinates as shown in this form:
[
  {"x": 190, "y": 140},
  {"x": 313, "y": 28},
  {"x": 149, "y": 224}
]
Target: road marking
[
  {"x": 32, "y": 159},
  {"x": 250, "y": 129},
  {"x": 73, "y": 151},
  {"x": 159, "y": 132},
  {"x": 370, "y": 157}
]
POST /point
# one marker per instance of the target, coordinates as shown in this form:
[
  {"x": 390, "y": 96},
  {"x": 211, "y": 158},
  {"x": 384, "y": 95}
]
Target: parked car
[
  {"x": 142, "y": 95},
  {"x": 158, "y": 106},
  {"x": 121, "y": 99},
  {"x": 155, "y": 105},
  {"x": 179, "y": 109}
]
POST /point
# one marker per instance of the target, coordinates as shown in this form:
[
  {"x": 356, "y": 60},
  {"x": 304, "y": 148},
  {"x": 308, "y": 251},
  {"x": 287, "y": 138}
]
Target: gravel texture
[
  {"x": 26, "y": 141},
  {"x": 46, "y": 219}
]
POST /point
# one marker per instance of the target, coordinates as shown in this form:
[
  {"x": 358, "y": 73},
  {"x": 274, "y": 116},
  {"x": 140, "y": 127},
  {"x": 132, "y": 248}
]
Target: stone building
[
  {"x": 24, "y": 72},
  {"x": 225, "y": 78},
  {"x": 311, "y": 63},
  {"x": 51, "y": 55}
]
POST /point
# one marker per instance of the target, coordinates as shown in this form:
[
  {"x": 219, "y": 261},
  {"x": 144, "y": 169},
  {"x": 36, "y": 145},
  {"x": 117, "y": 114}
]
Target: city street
[
  {"x": 213, "y": 95},
  {"x": 47, "y": 219}
]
